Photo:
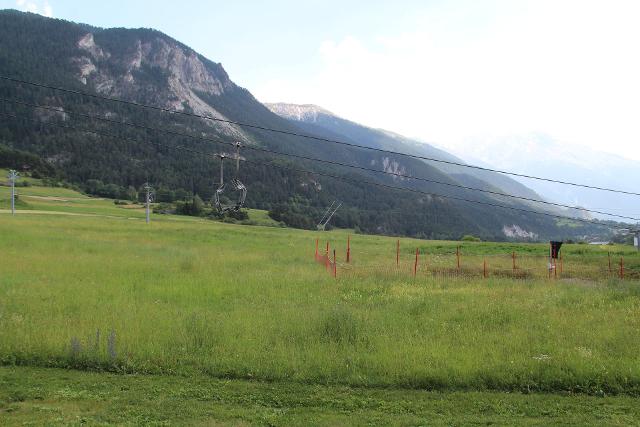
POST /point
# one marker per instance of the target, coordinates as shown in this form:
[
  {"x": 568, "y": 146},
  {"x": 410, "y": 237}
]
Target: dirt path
[{"x": 39, "y": 212}]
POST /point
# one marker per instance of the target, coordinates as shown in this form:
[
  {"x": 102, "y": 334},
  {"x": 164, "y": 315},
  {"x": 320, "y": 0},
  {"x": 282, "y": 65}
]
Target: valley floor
[
  {"x": 225, "y": 324},
  {"x": 43, "y": 396}
]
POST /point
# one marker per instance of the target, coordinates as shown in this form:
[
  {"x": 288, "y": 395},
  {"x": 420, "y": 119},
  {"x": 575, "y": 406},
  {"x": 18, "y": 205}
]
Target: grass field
[
  {"x": 190, "y": 301},
  {"x": 35, "y": 396}
]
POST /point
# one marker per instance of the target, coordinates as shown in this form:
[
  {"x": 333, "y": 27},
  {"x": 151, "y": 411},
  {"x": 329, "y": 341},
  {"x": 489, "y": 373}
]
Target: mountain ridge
[
  {"x": 317, "y": 115},
  {"x": 149, "y": 67}
]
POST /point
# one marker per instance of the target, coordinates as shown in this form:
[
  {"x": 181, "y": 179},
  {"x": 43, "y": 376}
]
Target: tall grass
[{"x": 250, "y": 302}]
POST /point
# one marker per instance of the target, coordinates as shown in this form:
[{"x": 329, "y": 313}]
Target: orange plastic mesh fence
[{"x": 445, "y": 265}]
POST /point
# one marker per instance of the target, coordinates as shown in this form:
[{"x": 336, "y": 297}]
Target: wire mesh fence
[{"x": 344, "y": 261}]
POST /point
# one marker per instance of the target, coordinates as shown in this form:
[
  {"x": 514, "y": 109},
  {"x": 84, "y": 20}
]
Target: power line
[
  {"x": 183, "y": 148},
  {"x": 353, "y": 181},
  {"x": 317, "y": 138},
  {"x": 332, "y": 162},
  {"x": 337, "y": 177}
]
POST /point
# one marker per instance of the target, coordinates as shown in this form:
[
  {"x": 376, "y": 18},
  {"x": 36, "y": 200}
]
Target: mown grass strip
[{"x": 54, "y": 396}]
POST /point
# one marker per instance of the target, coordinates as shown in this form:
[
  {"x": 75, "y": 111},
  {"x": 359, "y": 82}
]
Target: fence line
[{"x": 450, "y": 264}]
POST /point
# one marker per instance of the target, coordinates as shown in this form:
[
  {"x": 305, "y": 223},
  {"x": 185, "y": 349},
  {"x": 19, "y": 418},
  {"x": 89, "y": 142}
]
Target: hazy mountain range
[
  {"x": 542, "y": 155},
  {"x": 313, "y": 117}
]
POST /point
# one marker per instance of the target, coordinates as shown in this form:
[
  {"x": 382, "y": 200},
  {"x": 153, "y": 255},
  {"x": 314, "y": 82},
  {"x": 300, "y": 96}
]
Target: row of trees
[{"x": 114, "y": 191}]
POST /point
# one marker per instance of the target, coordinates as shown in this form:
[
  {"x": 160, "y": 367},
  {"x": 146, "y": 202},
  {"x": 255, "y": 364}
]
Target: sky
[{"x": 445, "y": 72}]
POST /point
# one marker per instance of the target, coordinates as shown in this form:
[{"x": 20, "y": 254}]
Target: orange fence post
[
  {"x": 415, "y": 265},
  {"x": 484, "y": 269},
  {"x": 335, "y": 268},
  {"x": 348, "y": 248},
  {"x": 398, "y": 253}
]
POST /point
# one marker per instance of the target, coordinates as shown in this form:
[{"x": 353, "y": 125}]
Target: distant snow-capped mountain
[{"x": 540, "y": 154}]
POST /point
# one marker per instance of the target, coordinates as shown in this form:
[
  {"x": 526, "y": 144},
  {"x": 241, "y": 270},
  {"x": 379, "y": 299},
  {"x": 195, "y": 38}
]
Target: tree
[
  {"x": 193, "y": 207},
  {"x": 131, "y": 194},
  {"x": 197, "y": 206}
]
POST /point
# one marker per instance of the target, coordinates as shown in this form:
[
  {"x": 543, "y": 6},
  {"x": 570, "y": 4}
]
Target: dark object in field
[{"x": 555, "y": 249}]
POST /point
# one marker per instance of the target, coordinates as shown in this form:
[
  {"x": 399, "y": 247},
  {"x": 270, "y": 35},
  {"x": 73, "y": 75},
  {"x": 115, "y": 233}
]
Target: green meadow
[{"x": 86, "y": 285}]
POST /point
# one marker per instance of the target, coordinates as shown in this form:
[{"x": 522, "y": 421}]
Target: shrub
[
  {"x": 194, "y": 207},
  {"x": 164, "y": 208},
  {"x": 239, "y": 215}
]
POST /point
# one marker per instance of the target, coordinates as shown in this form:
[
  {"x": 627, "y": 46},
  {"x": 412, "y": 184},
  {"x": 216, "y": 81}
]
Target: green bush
[{"x": 194, "y": 207}]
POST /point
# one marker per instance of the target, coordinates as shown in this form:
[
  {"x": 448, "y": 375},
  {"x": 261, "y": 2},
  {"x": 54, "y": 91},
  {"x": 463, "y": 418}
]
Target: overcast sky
[{"x": 440, "y": 71}]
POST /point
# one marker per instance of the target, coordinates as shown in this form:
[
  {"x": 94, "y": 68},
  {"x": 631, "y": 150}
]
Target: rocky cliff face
[
  {"x": 157, "y": 68},
  {"x": 308, "y": 113}
]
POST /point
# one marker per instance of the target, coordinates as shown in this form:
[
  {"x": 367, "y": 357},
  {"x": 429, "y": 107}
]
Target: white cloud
[
  {"x": 565, "y": 68},
  {"x": 47, "y": 10},
  {"x": 42, "y": 8}
]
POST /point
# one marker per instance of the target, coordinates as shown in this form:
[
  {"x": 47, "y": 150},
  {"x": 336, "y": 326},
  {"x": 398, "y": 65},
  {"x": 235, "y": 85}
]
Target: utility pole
[
  {"x": 148, "y": 198},
  {"x": 325, "y": 219},
  {"x": 13, "y": 176}
]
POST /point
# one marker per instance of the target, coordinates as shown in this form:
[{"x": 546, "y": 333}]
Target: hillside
[
  {"x": 147, "y": 66},
  {"x": 312, "y": 117}
]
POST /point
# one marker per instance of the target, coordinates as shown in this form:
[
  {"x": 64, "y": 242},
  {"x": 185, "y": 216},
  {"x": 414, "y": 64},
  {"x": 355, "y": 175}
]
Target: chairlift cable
[
  {"x": 317, "y": 138},
  {"x": 332, "y": 162},
  {"x": 353, "y": 181}
]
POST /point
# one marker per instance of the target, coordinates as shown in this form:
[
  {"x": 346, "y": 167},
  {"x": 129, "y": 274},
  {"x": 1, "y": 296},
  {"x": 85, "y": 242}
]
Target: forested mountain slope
[{"x": 149, "y": 67}]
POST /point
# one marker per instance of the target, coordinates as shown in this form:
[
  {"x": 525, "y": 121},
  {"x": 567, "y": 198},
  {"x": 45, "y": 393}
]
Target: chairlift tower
[
  {"x": 13, "y": 176},
  {"x": 149, "y": 195}
]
